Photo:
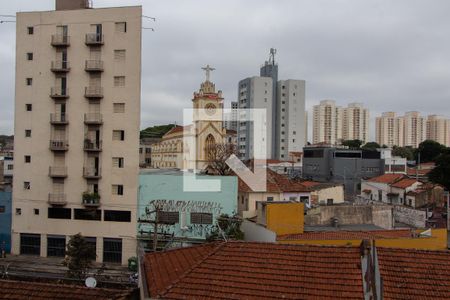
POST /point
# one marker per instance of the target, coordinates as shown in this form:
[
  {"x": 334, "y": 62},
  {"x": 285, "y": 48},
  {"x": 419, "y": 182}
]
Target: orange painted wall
[{"x": 285, "y": 218}]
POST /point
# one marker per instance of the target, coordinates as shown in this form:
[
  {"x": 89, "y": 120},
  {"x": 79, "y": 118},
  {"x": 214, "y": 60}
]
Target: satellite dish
[{"x": 90, "y": 282}]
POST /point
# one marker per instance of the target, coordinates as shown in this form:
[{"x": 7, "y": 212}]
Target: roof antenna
[{"x": 273, "y": 51}]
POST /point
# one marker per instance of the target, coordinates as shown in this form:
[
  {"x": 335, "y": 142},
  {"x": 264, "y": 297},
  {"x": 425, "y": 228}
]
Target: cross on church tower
[{"x": 208, "y": 70}]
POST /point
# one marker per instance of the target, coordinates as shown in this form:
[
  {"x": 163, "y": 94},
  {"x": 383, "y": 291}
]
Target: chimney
[{"x": 72, "y": 4}]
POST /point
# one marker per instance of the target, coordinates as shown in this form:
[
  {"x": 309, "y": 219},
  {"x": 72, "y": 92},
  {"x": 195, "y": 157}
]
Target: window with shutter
[
  {"x": 118, "y": 135},
  {"x": 119, "y": 80},
  {"x": 119, "y": 107},
  {"x": 168, "y": 217},
  {"x": 119, "y": 55},
  {"x": 121, "y": 27},
  {"x": 201, "y": 218}
]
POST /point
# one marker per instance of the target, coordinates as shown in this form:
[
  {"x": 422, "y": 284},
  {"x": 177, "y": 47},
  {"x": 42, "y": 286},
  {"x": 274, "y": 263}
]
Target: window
[
  {"x": 56, "y": 245},
  {"x": 27, "y": 159},
  {"x": 117, "y": 189},
  {"x": 30, "y": 56},
  {"x": 59, "y": 213},
  {"x": 119, "y": 107},
  {"x": 87, "y": 214},
  {"x": 30, "y": 30},
  {"x": 18, "y": 211},
  {"x": 29, "y": 81},
  {"x": 112, "y": 250},
  {"x": 91, "y": 241},
  {"x": 2, "y": 209},
  {"x": 29, "y": 107},
  {"x": 120, "y": 55},
  {"x": 140, "y": 150},
  {"x": 294, "y": 132},
  {"x": 121, "y": 27},
  {"x": 27, "y": 132},
  {"x": 30, "y": 244},
  {"x": 118, "y": 135},
  {"x": 269, "y": 199},
  {"x": 168, "y": 217},
  {"x": 148, "y": 150},
  {"x": 36, "y": 211},
  {"x": 117, "y": 162},
  {"x": 119, "y": 80},
  {"x": 10, "y": 167},
  {"x": 26, "y": 185},
  {"x": 117, "y": 215},
  {"x": 201, "y": 218}
]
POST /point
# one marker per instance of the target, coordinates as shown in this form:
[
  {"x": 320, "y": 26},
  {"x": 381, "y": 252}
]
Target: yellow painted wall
[
  {"x": 437, "y": 241},
  {"x": 285, "y": 218}
]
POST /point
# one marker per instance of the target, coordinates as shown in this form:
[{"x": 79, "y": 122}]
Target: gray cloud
[{"x": 390, "y": 55}]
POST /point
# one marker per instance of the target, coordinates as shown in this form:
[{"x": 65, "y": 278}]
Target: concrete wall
[
  {"x": 410, "y": 216},
  {"x": 257, "y": 233},
  {"x": 285, "y": 218},
  {"x": 350, "y": 215}
]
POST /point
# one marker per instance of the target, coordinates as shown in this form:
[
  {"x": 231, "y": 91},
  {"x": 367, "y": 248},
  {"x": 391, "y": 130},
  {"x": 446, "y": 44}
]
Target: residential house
[
  {"x": 379, "y": 188},
  {"x": 400, "y": 189}
]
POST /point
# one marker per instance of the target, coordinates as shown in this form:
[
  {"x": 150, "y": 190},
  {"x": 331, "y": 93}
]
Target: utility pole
[{"x": 155, "y": 227}]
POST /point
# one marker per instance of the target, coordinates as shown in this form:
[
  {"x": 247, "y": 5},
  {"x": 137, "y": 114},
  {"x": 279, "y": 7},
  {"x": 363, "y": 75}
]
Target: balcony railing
[
  {"x": 60, "y": 66},
  {"x": 91, "y": 199},
  {"x": 57, "y": 199},
  {"x": 93, "y": 39},
  {"x": 93, "y": 92},
  {"x": 59, "y": 145},
  {"x": 60, "y": 40},
  {"x": 92, "y": 173},
  {"x": 92, "y": 145},
  {"x": 57, "y": 172},
  {"x": 93, "y": 118},
  {"x": 94, "y": 65},
  {"x": 58, "y": 119},
  {"x": 59, "y": 93}
]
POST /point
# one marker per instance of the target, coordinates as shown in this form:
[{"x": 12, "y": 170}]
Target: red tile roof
[
  {"x": 239, "y": 270},
  {"x": 387, "y": 178},
  {"x": 414, "y": 274},
  {"x": 346, "y": 235},
  {"x": 404, "y": 183},
  {"x": 414, "y": 172},
  {"x": 14, "y": 289}
]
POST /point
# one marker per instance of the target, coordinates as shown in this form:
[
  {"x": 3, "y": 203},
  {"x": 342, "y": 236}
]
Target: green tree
[
  {"x": 79, "y": 256},
  {"x": 429, "y": 150},
  {"x": 405, "y": 152},
  {"x": 441, "y": 173},
  {"x": 371, "y": 146},
  {"x": 353, "y": 144}
]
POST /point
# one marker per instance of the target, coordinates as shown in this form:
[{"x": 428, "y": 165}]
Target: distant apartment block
[
  {"x": 411, "y": 129},
  {"x": 232, "y": 117},
  {"x": 332, "y": 124},
  {"x": 327, "y": 123},
  {"x": 77, "y": 115}
]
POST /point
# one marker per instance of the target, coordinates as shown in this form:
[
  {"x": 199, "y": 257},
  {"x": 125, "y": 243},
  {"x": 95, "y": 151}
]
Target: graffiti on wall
[{"x": 187, "y": 206}]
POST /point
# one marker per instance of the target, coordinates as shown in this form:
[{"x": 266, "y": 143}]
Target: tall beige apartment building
[
  {"x": 415, "y": 129},
  {"x": 327, "y": 123},
  {"x": 438, "y": 129},
  {"x": 355, "y": 122},
  {"x": 77, "y": 115},
  {"x": 332, "y": 124},
  {"x": 389, "y": 129}
]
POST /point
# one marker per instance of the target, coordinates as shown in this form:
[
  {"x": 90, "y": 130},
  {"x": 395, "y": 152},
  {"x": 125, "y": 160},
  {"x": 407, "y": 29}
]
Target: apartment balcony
[
  {"x": 92, "y": 173},
  {"x": 59, "y": 145},
  {"x": 93, "y": 66},
  {"x": 92, "y": 145},
  {"x": 58, "y": 119},
  {"x": 90, "y": 199},
  {"x": 94, "y": 39},
  {"x": 59, "y": 93},
  {"x": 93, "y": 92},
  {"x": 57, "y": 199},
  {"x": 60, "y": 40},
  {"x": 93, "y": 119},
  {"x": 60, "y": 66},
  {"x": 57, "y": 172}
]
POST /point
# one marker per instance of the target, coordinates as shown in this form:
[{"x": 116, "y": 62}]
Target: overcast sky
[{"x": 389, "y": 55}]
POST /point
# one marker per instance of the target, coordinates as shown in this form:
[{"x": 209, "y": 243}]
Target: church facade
[{"x": 186, "y": 147}]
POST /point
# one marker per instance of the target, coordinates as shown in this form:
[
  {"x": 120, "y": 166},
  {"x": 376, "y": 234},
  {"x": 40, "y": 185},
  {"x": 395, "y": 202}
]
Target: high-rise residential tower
[
  {"x": 327, "y": 123},
  {"x": 438, "y": 129},
  {"x": 77, "y": 115},
  {"x": 389, "y": 129},
  {"x": 284, "y": 102},
  {"x": 355, "y": 122},
  {"x": 415, "y": 129},
  {"x": 231, "y": 118}
]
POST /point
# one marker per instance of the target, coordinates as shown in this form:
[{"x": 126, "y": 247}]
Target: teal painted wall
[{"x": 167, "y": 192}]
